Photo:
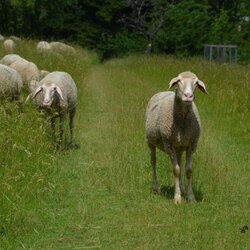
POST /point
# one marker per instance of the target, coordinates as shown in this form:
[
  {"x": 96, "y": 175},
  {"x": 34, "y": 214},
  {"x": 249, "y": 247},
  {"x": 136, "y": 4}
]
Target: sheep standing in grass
[
  {"x": 43, "y": 47},
  {"x": 9, "y": 45},
  {"x": 62, "y": 47},
  {"x": 57, "y": 95},
  {"x": 9, "y": 59},
  {"x": 10, "y": 83},
  {"x": 28, "y": 70},
  {"x": 173, "y": 126}
]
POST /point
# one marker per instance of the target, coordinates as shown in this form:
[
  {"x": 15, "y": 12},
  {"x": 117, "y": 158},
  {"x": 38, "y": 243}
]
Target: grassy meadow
[{"x": 99, "y": 196}]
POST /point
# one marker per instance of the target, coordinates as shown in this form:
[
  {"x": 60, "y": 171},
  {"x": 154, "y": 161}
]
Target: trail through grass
[{"x": 99, "y": 196}]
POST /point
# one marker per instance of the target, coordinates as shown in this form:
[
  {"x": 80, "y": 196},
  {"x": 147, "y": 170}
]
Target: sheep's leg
[
  {"x": 177, "y": 172},
  {"x": 180, "y": 176},
  {"x": 62, "y": 117},
  {"x": 190, "y": 193},
  {"x": 52, "y": 120},
  {"x": 71, "y": 126},
  {"x": 153, "y": 164}
]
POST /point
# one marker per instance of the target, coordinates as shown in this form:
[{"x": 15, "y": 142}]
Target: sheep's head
[
  {"x": 187, "y": 82},
  {"x": 50, "y": 92}
]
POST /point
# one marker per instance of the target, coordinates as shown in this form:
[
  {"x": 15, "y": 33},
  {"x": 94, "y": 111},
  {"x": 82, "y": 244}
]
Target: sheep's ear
[
  {"x": 174, "y": 81},
  {"x": 38, "y": 90},
  {"x": 201, "y": 86},
  {"x": 59, "y": 91}
]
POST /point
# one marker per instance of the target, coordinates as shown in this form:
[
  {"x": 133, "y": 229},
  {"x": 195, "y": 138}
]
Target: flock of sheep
[
  {"x": 172, "y": 118},
  {"x": 54, "y": 92},
  {"x": 9, "y": 46}
]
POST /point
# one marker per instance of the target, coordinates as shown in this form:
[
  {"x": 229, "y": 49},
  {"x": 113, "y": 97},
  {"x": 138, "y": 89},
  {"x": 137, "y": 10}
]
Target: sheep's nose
[
  {"x": 46, "y": 102},
  {"x": 189, "y": 95}
]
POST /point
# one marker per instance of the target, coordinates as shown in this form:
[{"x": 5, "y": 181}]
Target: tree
[
  {"x": 145, "y": 17},
  {"x": 187, "y": 28}
]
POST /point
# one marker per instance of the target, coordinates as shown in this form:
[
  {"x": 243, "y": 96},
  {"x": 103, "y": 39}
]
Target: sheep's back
[
  {"x": 10, "y": 80},
  {"x": 9, "y": 59}
]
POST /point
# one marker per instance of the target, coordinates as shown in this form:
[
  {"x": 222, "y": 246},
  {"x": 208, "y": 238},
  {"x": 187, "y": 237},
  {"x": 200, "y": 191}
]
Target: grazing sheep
[
  {"x": 57, "y": 95},
  {"x": 43, "y": 47},
  {"x": 10, "y": 83},
  {"x": 1, "y": 38},
  {"x": 27, "y": 70},
  {"x": 62, "y": 47},
  {"x": 9, "y": 59},
  {"x": 173, "y": 126},
  {"x": 15, "y": 38},
  {"x": 9, "y": 45}
]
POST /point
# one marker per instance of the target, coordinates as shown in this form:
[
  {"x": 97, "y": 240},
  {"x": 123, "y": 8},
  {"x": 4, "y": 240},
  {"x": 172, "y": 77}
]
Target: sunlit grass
[{"x": 99, "y": 196}]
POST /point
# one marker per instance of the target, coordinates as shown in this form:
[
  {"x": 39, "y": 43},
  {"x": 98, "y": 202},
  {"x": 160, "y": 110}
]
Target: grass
[{"x": 99, "y": 196}]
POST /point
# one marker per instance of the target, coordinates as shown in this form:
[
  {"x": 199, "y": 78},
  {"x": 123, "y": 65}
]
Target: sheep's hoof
[
  {"x": 73, "y": 146},
  {"x": 191, "y": 198},
  {"x": 177, "y": 199}
]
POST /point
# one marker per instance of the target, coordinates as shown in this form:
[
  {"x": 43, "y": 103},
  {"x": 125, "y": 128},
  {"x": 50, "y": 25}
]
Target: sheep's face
[
  {"x": 49, "y": 91},
  {"x": 49, "y": 95},
  {"x": 185, "y": 90},
  {"x": 187, "y": 82}
]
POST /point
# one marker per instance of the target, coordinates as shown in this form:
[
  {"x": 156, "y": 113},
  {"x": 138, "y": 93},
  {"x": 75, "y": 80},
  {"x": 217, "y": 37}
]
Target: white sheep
[
  {"x": 57, "y": 95},
  {"x": 62, "y": 47},
  {"x": 9, "y": 45},
  {"x": 173, "y": 126},
  {"x": 1, "y": 37},
  {"x": 9, "y": 59},
  {"x": 10, "y": 83},
  {"x": 15, "y": 38},
  {"x": 28, "y": 70},
  {"x": 43, "y": 47}
]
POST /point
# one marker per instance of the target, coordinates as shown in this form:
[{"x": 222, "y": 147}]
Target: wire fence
[{"x": 221, "y": 53}]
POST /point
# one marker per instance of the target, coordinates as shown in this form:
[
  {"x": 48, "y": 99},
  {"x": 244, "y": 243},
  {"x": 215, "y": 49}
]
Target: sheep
[
  {"x": 15, "y": 38},
  {"x": 9, "y": 45},
  {"x": 1, "y": 37},
  {"x": 173, "y": 126},
  {"x": 28, "y": 70},
  {"x": 43, "y": 47},
  {"x": 57, "y": 95},
  {"x": 9, "y": 59},
  {"x": 10, "y": 83},
  {"x": 62, "y": 47}
]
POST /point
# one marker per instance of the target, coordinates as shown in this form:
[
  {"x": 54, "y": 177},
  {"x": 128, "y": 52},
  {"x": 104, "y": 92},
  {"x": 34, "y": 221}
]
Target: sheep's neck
[{"x": 182, "y": 108}]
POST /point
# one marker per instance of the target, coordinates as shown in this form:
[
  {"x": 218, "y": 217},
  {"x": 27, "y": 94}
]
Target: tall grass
[{"x": 99, "y": 196}]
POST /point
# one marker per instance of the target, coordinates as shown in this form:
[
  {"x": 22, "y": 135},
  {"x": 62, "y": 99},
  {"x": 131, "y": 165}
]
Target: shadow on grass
[
  {"x": 168, "y": 192},
  {"x": 65, "y": 146}
]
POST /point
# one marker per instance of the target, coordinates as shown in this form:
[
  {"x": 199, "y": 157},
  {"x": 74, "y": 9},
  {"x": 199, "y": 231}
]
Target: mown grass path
[
  {"x": 117, "y": 208},
  {"x": 99, "y": 196}
]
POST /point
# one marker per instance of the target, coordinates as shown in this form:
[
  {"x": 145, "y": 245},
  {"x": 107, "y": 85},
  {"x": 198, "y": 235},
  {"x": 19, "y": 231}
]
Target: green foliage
[
  {"x": 222, "y": 29},
  {"x": 186, "y": 30},
  {"x": 173, "y": 27},
  {"x": 123, "y": 43}
]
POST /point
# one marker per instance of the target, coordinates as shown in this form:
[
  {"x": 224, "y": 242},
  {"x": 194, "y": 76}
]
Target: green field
[{"x": 99, "y": 196}]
